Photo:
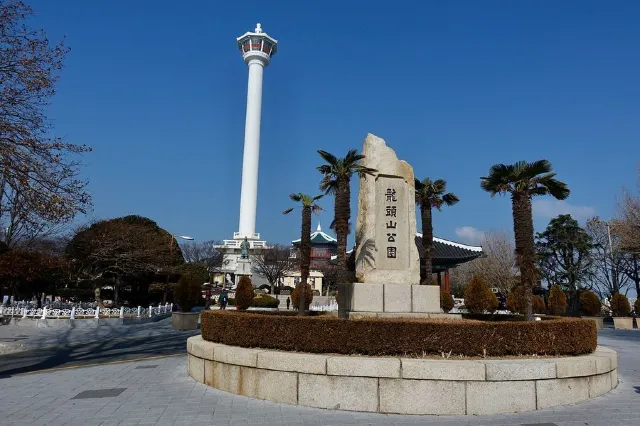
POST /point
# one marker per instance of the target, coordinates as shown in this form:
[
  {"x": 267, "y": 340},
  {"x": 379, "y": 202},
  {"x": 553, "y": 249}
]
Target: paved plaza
[{"x": 159, "y": 391}]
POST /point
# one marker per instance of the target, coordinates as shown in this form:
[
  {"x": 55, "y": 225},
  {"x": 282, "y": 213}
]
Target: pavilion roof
[
  {"x": 449, "y": 253},
  {"x": 318, "y": 237}
]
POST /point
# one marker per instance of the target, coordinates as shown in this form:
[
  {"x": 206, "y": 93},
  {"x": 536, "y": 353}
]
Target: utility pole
[{"x": 614, "y": 270}]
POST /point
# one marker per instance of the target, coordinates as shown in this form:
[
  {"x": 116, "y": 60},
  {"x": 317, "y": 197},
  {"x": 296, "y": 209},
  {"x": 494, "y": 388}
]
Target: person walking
[{"x": 288, "y": 303}]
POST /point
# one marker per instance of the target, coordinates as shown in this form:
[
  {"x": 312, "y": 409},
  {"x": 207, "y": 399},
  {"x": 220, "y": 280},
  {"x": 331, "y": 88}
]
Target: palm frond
[
  {"x": 531, "y": 170},
  {"x": 557, "y": 188},
  {"x": 287, "y": 211},
  {"x": 450, "y": 199},
  {"x": 328, "y": 184},
  {"x": 317, "y": 197},
  {"x": 328, "y": 157},
  {"x": 296, "y": 197}
]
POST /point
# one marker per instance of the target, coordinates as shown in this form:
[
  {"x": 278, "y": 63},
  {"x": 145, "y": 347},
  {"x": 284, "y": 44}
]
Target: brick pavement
[{"x": 163, "y": 394}]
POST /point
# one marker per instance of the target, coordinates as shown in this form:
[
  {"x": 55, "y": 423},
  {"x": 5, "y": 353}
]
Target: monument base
[
  {"x": 397, "y": 299},
  {"x": 243, "y": 267}
]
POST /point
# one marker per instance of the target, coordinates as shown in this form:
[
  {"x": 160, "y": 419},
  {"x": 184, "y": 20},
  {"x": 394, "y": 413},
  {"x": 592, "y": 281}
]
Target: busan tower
[{"x": 257, "y": 48}]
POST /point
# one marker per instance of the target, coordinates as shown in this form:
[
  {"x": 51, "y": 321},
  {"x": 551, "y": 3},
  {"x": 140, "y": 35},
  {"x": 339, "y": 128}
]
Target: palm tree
[
  {"x": 431, "y": 194},
  {"x": 523, "y": 181},
  {"x": 336, "y": 180},
  {"x": 309, "y": 206}
]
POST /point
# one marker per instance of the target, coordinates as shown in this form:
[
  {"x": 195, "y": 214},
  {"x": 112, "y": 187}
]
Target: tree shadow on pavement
[{"x": 123, "y": 345}]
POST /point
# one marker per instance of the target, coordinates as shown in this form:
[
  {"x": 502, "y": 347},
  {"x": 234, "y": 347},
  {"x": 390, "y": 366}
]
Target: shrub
[
  {"x": 308, "y": 296},
  {"x": 188, "y": 292},
  {"x": 636, "y": 306},
  {"x": 515, "y": 300},
  {"x": 446, "y": 301},
  {"x": 620, "y": 305},
  {"x": 538, "y": 305},
  {"x": 557, "y": 300},
  {"x": 265, "y": 287},
  {"x": 264, "y": 301},
  {"x": 404, "y": 337},
  {"x": 590, "y": 304},
  {"x": 244, "y": 293},
  {"x": 478, "y": 298},
  {"x": 231, "y": 301}
]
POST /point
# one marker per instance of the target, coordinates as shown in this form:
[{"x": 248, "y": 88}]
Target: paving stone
[{"x": 48, "y": 397}]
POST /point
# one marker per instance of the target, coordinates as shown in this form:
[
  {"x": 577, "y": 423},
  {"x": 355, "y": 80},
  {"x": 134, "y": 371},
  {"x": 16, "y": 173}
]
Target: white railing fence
[
  {"x": 78, "y": 313},
  {"x": 319, "y": 307}
]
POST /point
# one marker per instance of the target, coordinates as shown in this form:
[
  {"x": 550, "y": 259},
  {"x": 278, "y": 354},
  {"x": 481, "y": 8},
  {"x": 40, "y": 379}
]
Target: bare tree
[
  {"x": 607, "y": 260},
  {"x": 628, "y": 221},
  {"x": 497, "y": 266},
  {"x": 273, "y": 264},
  {"x": 39, "y": 175},
  {"x": 204, "y": 254}
]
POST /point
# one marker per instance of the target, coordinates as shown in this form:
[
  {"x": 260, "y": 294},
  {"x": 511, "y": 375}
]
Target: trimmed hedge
[
  {"x": 406, "y": 337},
  {"x": 557, "y": 300},
  {"x": 478, "y": 297},
  {"x": 446, "y": 301},
  {"x": 590, "y": 304},
  {"x": 244, "y": 293},
  {"x": 620, "y": 305}
]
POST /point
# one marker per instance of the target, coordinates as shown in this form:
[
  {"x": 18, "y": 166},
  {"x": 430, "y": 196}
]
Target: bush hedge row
[{"x": 407, "y": 337}]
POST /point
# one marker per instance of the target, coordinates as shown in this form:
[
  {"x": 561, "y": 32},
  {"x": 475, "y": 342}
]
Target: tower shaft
[{"x": 251, "y": 156}]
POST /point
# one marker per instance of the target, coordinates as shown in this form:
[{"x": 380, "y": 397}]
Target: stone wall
[{"x": 402, "y": 385}]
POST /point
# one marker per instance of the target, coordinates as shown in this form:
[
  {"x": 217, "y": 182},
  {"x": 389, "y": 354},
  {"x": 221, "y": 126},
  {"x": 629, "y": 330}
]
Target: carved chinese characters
[{"x": 392, "y": 239}]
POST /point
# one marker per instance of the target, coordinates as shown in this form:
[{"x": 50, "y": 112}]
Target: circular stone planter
[{"x": 402, "y": 385}]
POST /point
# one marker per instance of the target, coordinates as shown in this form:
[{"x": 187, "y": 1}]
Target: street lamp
[{"x": 184, "y": 237}]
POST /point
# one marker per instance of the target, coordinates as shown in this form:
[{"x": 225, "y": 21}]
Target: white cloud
[
  {"x": 470, "y": 235},
  {"x": 550, "y": 208}
]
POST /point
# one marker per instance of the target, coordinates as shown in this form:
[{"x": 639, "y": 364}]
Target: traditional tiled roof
[
  {"x": 445, "y": 253},
  {"x": 318, "y": 237},
  {"x": 449, "y": 253}
]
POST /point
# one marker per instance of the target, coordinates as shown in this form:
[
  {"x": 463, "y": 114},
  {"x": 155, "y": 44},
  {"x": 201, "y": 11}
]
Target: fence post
[
  {"x": 150, "y": 311},
  {"x": 24, "y": 312},
  {"x": 166, "y": 308},
  {"x": 139, "y": 310},
  {"x": 121, "y": 311},
  {"x": 160, "y": 309},
  {"x": 97, "y": 311},
  {"x": 170, "y": 307},
  {"x": 44, "y": 313},
  {"x": 73, "y": 312}
]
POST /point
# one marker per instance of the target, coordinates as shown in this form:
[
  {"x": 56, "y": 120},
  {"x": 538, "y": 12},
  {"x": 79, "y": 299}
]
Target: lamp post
[
  {"x": 614, "y": 269},
  {"x": 184, "y": 237}
]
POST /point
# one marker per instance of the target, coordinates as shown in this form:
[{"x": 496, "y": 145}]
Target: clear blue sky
[{"x": 158, "y": 89}]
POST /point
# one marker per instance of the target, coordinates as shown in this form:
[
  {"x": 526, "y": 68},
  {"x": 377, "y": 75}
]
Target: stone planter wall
[
  {"x": 185, "y": 320},
  {"x": 598, "y": 320},
  {"x": 623, "y": 323},
  {"x": 402, "y": 385}
]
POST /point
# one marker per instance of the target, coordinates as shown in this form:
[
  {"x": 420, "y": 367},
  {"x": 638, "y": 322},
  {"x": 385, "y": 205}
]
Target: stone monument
[{"x": 387, "y": 259}]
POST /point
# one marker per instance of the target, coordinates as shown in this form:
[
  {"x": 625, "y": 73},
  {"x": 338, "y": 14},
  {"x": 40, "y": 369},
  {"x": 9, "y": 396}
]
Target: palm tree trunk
[
  {"x": 427, "y": 242},
  {"x": 305, "y": 257},
  {"x": 342, "y": 213},
  {"x": 525, "y": 246}
]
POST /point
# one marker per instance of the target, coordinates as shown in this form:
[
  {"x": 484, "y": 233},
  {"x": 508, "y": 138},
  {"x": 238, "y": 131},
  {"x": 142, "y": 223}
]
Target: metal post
[
  {"x": 121, "y": 311},
  {"x": 73, "y": 312},
  {"x": 97, "y": 312},
  {"x": 139, "y": 311}
]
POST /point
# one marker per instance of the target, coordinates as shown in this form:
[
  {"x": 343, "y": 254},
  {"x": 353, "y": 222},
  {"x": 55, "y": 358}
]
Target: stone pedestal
[
  {"x": 243, "y": 267},
  {"x": 400, "y": 299}
]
